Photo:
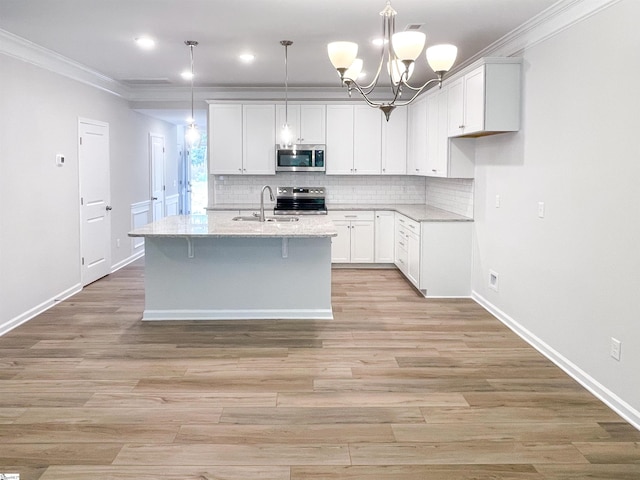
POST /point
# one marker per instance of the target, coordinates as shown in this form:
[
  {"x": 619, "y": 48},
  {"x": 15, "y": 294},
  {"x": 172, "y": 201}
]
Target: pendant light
[
  {"x": 192, "y": 135},
  {"x": 400, "y": 51},
  {"x": 286, "y": 134}
]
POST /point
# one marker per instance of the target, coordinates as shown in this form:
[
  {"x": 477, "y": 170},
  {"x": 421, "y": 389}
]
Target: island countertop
[{"x": 207, "y": 226}]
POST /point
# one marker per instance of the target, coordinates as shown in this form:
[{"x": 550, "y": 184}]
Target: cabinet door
[
  {"x": 367, "y": 141},
  {"x": 225, "y": 139},
  {"x": 362, "y": 241},
  {"x": 341, "y": 245},
  {"x": 292, "y": 116},
  {"x": 474, "y": 101},
  {"x": 384, "y": 237},
  {"x": 339, "y": 140},
  {"x": 437, "y": 137},
  {"x": 417, "y": 146},
  {"x": 313, "y": 123},
  {"x": 456, "y": 108},
  {"x": 394, "y": 143},
  {"x": 259, "y": 156},
  {"x": 413, "y": 248}
]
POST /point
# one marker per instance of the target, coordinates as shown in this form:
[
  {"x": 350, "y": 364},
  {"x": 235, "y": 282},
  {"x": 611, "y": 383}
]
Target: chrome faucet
[{"x": 266, "y": 187}]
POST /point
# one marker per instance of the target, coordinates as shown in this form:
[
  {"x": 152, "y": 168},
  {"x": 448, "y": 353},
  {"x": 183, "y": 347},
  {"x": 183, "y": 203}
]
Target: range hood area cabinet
[
  {"x": 241, "y": 139},
  {"x": 308, "y": 122},
  {"x": 485, "y": 98}
]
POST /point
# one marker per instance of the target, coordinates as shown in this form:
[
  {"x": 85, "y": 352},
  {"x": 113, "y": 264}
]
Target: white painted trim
[
  {"x": 172, "y": 201},
  {"x": 616, "y": 403},
  {"x": 29, "y": 52},
  {"x": 38, "y": 309},
  {"x": 139, "y": 209},
  {"x": 127, "y": 261},
  {"x": 319, "y": 314}
]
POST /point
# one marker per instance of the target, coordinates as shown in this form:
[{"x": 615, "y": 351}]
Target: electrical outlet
[
  {"x": 541, "y": 209},
  {"x": 497, "y": 201},
  {"x": 118, "y": 242},
  {"x": 493, "y": 280},
  {"x": 616, "y": 346}
]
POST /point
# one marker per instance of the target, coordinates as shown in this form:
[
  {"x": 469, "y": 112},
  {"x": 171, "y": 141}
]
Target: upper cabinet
[
  {"x": 417, "y": 137},
  {"x": 446, "y": 157},
  {"x": 308, "y": 122},
  {"x": 353, "y": 140},
  {"x": 241, "y": 139},
  {"x": 486, "y": 100},
  {"x": 394, "y": 143}
]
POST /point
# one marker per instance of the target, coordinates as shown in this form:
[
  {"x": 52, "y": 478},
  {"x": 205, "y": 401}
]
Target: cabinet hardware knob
[{"x": 460, "y": 126}]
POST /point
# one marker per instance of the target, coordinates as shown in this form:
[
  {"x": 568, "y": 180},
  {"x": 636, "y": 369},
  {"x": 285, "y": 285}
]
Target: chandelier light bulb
[
  {"x": 192, "y": 136},
  {"x": 354, "y": 70},
  {"x": 441, "y": 57}
]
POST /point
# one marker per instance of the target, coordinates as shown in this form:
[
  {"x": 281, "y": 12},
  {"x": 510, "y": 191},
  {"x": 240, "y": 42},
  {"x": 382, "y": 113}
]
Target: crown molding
[
  {"x": 548, "y": 23},
  {"x": 29, "y": 52}
]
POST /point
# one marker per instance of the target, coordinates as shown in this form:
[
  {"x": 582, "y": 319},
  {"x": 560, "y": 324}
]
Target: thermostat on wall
[{"x": 60, "y": 160}]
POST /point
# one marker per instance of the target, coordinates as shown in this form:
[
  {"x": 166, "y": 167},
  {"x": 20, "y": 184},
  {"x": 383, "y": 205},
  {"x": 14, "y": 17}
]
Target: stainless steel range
[{"x": 300, "y": 201}]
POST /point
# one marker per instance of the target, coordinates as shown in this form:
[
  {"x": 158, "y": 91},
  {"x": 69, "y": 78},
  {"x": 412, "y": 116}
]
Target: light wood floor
[{"x": 395, "y": 388}]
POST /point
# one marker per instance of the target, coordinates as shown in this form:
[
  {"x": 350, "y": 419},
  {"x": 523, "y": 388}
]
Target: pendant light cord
[{"x": 286, "y": 44}]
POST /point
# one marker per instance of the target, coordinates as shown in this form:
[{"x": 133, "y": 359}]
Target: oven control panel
[{"x": 301, "y": 191}]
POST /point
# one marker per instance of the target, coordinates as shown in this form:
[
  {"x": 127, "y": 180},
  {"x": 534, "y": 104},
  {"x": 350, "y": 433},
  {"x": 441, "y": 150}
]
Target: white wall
[
  {"x": 571, "y": 281},
  {"x": 39, "y": 213}
]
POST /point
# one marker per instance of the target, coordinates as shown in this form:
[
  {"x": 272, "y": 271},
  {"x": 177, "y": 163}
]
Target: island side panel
[{"x": 237, "y": 278}]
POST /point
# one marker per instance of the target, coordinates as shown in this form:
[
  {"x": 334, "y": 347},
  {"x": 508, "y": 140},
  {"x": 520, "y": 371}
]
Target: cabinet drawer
[
  {"x": 350, "y": 215},
  {"x": 408, "y": 224}
]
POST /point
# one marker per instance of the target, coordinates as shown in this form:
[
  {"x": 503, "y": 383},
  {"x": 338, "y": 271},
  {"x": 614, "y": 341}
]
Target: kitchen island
[{"x": 198, "y": 267}]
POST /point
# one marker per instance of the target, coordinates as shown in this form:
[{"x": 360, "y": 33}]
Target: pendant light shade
[
  {"x": 441, "y": 57},
  {"x": 342, "y": 54},
  {"x": 408, "y": 45}
]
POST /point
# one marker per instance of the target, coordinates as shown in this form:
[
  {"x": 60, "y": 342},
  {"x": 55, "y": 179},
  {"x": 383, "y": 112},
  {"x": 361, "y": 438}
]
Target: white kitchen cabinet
[
  {"x": 355, "y": 240},
  {"x": 451, "y": 158},
  {"x": 225, "y": 139},
  {"x": 259, "y": 156},
  {"x": 486, "y": 99},
  {"x": 308, "y": 122},
  {"x": 241, "y": 139},
  {"x": 394, "y": 143},
  {"x": 367, "y": 140},
  {"x": 417, "y": 138},
  {"x": 339, "y": 140},
  {"x": 445, "y": 256},
  {"x": 384, "y": 236},
  {"x": 408, "y": 248},
  {"x": 354, "y": 144}
]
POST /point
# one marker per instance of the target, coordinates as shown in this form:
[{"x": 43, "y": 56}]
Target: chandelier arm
[{"x": 423, "y": 86}]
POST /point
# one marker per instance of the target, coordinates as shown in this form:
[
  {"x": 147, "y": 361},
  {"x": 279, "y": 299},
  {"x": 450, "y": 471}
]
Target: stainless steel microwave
[{"x": 300, "y": 158}]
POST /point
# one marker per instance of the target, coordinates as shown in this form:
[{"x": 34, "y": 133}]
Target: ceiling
[{"x": 100, "y": 35}]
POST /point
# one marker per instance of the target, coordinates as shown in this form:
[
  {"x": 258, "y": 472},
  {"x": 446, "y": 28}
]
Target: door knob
[
  {"x": 109, "y": 208},
  {"x": 154, "y": 198}
]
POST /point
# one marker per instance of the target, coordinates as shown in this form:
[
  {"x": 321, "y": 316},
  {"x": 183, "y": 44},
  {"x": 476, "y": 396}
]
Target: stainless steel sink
[{"x": 283, "y": 219}]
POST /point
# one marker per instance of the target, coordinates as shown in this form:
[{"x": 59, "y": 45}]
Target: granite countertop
[
  {"x": 205, "y": 226},
  {"x": 417, "y": 212}
]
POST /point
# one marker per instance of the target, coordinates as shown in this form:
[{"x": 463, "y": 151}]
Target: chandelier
[
  {"x": 192, "y": 135},
  {"x": 400, "y": 50}
]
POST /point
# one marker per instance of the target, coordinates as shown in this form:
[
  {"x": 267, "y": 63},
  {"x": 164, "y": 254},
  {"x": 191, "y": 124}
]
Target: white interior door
[
  {"x": 95, "y": 200},
  {"x": 156, "y": 149}
]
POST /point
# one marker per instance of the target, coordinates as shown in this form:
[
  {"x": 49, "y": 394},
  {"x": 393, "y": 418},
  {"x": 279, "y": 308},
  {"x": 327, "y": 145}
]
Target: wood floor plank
[{"x": 396, "y": 387}]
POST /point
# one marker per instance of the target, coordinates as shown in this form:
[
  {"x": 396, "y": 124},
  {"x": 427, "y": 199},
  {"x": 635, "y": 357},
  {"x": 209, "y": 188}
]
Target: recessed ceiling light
[
  {"x": 378, "y": 42},
  {"x": 145, "y": 43},
  {"x": 187, "y": 75},
  {"x": 247, "y": 57}
]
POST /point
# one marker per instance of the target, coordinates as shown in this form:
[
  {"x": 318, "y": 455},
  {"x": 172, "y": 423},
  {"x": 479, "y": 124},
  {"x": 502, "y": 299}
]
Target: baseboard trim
[
  {"x": 38, "y": 309},
  {"x": 127, "y": 261},
  {"x": 612, "y": 400},
  {"x": 302, "y": 314}
]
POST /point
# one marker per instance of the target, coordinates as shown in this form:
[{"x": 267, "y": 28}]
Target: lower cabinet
[
  {"x": 435, "y": 256},
  {"x": 355, "y": 240},
  {"x": 384, "y": 236}
]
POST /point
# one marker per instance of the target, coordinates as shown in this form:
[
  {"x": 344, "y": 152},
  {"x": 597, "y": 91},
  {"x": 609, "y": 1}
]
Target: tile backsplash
[
  {"x": 452, "y": 194},
  {"x": 374, "y": 189}
]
